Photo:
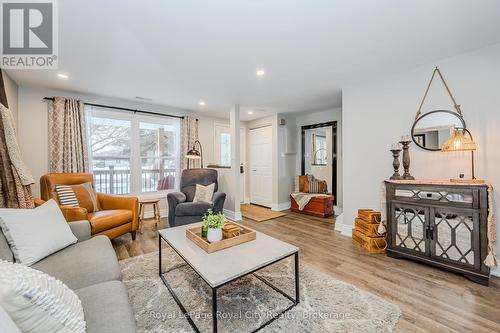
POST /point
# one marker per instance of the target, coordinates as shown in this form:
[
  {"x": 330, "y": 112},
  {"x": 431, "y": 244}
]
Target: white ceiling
[{"x": 179, "y": 52}]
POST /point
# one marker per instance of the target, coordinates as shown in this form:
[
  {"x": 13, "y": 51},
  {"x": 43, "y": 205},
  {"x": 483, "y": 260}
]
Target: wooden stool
[{"x": 155, "y": 203}]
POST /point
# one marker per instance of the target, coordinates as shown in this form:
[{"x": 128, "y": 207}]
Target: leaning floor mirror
[{"x": 319, "y": 153}]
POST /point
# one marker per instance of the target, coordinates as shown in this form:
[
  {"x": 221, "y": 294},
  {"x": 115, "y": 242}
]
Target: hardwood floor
[{"x": 431, "y": 300}]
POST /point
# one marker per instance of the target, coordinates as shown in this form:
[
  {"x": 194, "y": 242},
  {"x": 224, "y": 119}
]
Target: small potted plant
[{"x": 213, "y": 224}]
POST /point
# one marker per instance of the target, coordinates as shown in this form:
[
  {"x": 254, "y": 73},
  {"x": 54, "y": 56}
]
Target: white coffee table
[{"x": 222, "y": 267}]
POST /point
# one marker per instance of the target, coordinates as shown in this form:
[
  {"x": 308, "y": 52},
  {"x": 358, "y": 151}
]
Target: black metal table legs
[{"x": 294, "y": 300}]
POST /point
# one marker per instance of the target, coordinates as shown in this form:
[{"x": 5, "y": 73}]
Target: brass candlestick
[
  {"x": 406, "y": 159},
  {"x": 395, "y": 164}
]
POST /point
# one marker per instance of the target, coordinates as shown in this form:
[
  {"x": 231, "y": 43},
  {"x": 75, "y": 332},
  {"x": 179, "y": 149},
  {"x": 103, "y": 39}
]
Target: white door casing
[{"x": 224, "y": 129}]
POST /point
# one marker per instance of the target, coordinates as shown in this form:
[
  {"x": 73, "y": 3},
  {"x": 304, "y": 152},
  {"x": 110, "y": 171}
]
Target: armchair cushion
[
  {"x": 74, "y": 213},
  {"x": 86, "y": 196},
  {"x": 66, "y": 196},
  {"x": 204, "y": 193},
  {"x": 192, "y": 208},
  {"x": 112, "y": 202},
  {"x": 78, "y": 195},
  {"x": 108, "y": 219}
]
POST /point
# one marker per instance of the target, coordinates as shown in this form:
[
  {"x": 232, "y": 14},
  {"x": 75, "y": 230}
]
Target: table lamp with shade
[
  {"x": 459, "y": 141},
  {"x": 195, "y": 154}
]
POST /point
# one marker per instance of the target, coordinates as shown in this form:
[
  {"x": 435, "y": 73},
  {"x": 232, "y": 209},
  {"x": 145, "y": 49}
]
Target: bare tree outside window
[
  {"x": 112, "y": 146},
  {"x": 111, "y": 151}
]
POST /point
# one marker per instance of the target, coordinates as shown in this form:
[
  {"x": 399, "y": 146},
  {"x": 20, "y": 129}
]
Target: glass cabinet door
[
  {"x": 455, "y": 236},
  {"x": 409, "y": 228}
]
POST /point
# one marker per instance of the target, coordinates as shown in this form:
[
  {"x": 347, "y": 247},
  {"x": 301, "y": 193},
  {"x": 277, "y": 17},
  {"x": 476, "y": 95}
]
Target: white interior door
[{"x": 261, "y": 161}]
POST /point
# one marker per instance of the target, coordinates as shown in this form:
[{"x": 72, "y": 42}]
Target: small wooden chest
[{"x": 321, "y": 206}]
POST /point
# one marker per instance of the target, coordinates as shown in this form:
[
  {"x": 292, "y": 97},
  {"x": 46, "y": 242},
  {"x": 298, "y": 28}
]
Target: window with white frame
[{"x": 134, "y": 153}]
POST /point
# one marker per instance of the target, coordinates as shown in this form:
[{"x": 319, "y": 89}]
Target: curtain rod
[{"x": 125, "y": 109}]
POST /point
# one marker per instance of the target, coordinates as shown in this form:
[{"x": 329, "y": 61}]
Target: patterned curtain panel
[
  {"x": 189, "y": 134},
  {"x": 15, "y": 178},
  {"x": 67, "y": 136}
]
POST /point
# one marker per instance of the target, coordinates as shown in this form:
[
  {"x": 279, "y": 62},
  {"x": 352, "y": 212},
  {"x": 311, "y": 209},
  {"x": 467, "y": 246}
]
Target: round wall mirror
[{"x": 432, "y": 129}]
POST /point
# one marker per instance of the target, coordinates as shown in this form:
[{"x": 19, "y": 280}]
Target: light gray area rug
[{"x": 326, "y": 304}]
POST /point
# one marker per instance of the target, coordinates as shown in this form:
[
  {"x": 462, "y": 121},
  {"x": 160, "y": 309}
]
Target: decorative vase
[
  {"x": 214, "y": 235},
  {"x": 204, "y": 230}
]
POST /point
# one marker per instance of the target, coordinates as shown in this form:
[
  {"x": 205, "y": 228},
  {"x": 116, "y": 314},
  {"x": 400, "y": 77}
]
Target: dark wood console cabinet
[{"x": 439, "y": 223}]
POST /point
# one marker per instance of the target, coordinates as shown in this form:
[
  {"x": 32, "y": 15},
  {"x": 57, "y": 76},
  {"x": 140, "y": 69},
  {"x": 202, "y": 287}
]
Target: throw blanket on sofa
[{"x": 302, "y": 199}]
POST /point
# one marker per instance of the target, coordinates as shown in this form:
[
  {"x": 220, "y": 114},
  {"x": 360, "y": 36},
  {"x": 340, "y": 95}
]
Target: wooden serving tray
[{"x": 194, "y": 234}]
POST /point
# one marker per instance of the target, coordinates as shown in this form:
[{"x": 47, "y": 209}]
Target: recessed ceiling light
[
  {"x": 260, "y": 72},
  {"x": 250, "y": 112},
  {"x": 63, "y": 76},
  {"x": 202, "y": 103}
]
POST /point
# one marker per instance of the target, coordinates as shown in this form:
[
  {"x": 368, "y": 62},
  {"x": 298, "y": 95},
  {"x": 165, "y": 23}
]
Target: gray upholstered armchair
[{"x": 181, "y": 208}]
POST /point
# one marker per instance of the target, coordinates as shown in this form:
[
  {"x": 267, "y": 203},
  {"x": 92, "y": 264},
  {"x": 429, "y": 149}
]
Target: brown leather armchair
[{"x": 116, "y": 216}]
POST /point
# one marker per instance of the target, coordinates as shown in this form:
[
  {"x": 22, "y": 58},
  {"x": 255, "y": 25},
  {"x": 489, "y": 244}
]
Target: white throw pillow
[
  {"x": 6, "y": 323},
  {"x": 33, "y": 234},
  {"x": 37, "y": 302},
  {"x": 204, "y": 193}
]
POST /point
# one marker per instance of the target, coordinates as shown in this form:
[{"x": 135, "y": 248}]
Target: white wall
[
  {"x": 377, "y": 111},
  {"x": 11, "y": 90},
  {"x": 312, "y": 118},
  {"x": 286, "y": 154},
  {"x": 206, "y": 133}
]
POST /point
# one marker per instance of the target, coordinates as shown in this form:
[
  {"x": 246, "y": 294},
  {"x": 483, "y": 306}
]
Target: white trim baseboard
[
  {"x": 345, "y": 230},
  {"x": 231, "y": 215},
  {"x": 281, "y": 206},
  {"x": 495, "y": 271}
]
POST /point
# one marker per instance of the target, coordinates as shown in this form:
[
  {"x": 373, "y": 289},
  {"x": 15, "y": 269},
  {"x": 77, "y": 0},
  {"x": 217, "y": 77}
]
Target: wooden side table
[{"x": 155, "y": 203}]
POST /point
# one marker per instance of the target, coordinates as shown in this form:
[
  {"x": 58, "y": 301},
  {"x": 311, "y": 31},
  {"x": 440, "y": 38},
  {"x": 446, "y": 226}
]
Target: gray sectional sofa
[{"x": 91, "y": 270}]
